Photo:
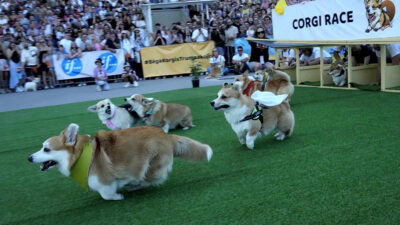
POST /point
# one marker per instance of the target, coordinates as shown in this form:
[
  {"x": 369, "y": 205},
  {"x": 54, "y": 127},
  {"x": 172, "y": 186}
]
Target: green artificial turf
[
  {"x": 341, "y": 166},
  {"x": 394, "y": 88}
]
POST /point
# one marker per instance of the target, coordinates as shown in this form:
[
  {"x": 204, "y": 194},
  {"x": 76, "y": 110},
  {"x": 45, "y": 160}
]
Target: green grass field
[{"x": 341, "y": 166}]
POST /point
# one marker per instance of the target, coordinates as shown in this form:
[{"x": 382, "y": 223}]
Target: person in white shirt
[
  {"x": 29, "y": 60},
  {"x": 217, "y": 60},
  {"x": 66, "y": 42},
  {"x": 311, "y": 56},
  {"x": 200, "y": 34},
  {"x": 240, "y": 61},
  {"x": 287, "y": 57}
]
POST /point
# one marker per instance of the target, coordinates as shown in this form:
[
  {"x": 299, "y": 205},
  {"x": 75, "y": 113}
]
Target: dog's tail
[
  {"x": 190, "y": 149},
  {"x": 281, "y": 74}
]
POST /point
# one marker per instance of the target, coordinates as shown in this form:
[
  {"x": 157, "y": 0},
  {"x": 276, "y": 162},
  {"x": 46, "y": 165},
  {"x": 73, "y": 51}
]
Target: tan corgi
[
  {"x": 237, "y": 107},
  {"x": 279, "y": 83},
  {"x": 157, "y": 113},
  {"x": 135, "y": 157},
  {"x": 215, "y": 72},
  {"x": 247, "y": 84}
]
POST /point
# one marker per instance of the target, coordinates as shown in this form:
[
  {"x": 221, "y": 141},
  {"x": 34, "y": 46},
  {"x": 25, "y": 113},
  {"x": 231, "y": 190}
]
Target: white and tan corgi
[
  {"x": 114, "y": 117},
  {"x": 247, "y": 84},
  {"x": 338, "y": 73},
  {"x": 237, "y": 106},
  {"x": 136, "y": 157},
  {"x": 216, "y": 71},
  {"x": 279, "y": 82},
  {"x": 157, "y": 113}
]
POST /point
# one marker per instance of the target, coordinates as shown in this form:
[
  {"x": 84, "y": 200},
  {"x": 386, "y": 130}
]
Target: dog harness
[
  {"x": 80, "y": 170},
  {"x": 109, "y": 123},
  {"x": 256, "y": 114}
]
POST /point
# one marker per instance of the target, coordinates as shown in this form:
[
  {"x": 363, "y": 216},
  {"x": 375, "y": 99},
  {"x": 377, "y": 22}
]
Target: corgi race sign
[{"x": 338, "y": 20}]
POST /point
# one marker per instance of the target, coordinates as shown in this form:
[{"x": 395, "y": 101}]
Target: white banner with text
[
  {"x": 323, "y": 20},
  {"x": 83, "y": 66}
]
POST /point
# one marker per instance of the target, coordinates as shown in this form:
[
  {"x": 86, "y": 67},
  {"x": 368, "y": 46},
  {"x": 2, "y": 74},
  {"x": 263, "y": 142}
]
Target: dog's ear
[
  {"x": 92, "y": 108},
  {"x": 71, "y": 133},
  {"x": 225, "y": 85},
  {"x": 246, "y": 73},
  {"x": 148, "y": 101}
]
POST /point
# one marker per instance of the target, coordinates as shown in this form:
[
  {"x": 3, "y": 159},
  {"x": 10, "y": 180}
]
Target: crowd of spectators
[{"x": 32, "y": 31}]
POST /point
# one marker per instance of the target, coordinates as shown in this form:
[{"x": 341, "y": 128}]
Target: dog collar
[
  {"x": 80, "y": 170},
  {"x": 150, "y": 111},
  {"x": 109, "y": 123}
]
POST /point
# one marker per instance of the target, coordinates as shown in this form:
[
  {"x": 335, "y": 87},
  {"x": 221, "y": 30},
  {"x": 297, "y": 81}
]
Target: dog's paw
[
  {"x": 117, "y": 197},
  {"x": 186, "y": 128},
  {"x": 250, "y": 146},
  {"x": 280, "y": 137},
  {"x": 242, "y": 141}
]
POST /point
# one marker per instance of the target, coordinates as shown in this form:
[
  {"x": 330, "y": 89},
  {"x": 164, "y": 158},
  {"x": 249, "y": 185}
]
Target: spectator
[
  {"x": 336, "y": 56},
  {"x": 217, "y": 36},
  {"x": 231, "y": 33},
  {"x": 29, "y": 60},
  {"x": 287, "y": 57},
  {"x": 130, "y": 76},
  {"x": 251, "y": 31},
  {"x": 110, "y": 43},
  {"x": 176, "y": 36},
  {"x": 44, "y": 64},
  {"x": 100, "y": 76},
  {"x": 311, "y": 56},
  {"x": 159, "y": 40},
  {"x": 259, "y": 53},
  {"x": 242, "y": 32},
  {"x": 199, "y": 34},
  {"x": 66, "y": 42},
  {"x": 363, "y": 54},
  {"x": 16, "y": 73},
  {"x": 217, "y": 60},
  {"x": 75, "y": 51},
  {"x": 240, "y": 61},
  {"x": 188, "y": 35}
]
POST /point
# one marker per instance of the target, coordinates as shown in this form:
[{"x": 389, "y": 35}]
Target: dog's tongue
[{"x": 46, "y": 165}]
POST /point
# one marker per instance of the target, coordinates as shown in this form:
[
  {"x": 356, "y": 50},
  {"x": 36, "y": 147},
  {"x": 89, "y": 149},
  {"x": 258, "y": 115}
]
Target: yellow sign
[{"x": 175, "y": 59}]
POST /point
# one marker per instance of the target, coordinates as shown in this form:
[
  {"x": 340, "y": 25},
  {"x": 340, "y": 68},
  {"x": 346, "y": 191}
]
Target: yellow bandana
[
  {"x": 80, "y": 170},
  {"x": 280, "y": 7}
]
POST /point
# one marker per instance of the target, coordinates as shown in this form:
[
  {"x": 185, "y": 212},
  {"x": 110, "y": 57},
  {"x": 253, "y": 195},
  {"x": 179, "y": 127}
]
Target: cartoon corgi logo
[{"x": 379, "y": 14}]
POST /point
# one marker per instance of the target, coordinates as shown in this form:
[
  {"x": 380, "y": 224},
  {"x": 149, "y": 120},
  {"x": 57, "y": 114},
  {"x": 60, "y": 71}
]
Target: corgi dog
[
  {"x": 157, "y": 113},
  {"x": 237, "y": 107},
  {"x": 32, "y": 85},
  {"x": 135, "y": 158},
  {"x": 114, "y": 117},
  {"x": 379, "y": 13},
  {"x": 279, "y": 82},
  {"x": 215, "y": 72},
  {"x": 338, "y": 73},
  {"x": 248, "y": 85}
]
